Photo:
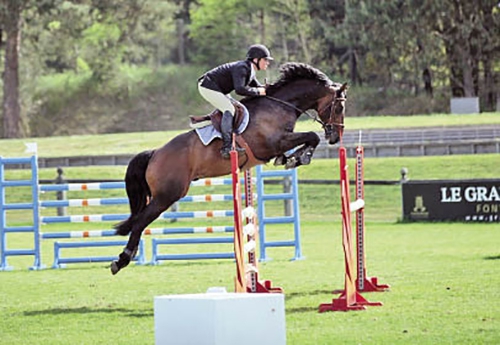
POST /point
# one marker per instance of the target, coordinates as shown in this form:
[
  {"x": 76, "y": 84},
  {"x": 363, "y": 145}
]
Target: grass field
[
  {"x": 444, "y": 277},
  {"x": 444, "y": 290}
]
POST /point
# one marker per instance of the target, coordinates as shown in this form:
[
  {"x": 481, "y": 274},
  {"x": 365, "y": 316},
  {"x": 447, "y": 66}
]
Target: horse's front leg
[{"x": 303, "y": 155}]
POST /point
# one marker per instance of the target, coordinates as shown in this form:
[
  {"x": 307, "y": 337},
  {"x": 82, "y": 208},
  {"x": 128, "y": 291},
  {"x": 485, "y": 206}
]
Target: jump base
[
  {"x": 342, "y": 304},
  {"x": 370, "y": 284},
  {"x": 265, "y": 286},
  {"x": 220, "y": 319}
]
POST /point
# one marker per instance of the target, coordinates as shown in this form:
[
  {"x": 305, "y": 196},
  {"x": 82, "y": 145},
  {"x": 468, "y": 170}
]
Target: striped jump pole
[
  {"x": 156, "y": 242},
  {"x": 60, "y": 261},
  {"x": 250, "y": 229},
  {"x": 350, "y": 298},
  {"x": 246, "y": 281},
  {"x": 363, "y": 282}
]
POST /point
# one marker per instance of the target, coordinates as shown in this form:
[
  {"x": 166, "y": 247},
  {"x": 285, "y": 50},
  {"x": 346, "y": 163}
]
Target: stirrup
[{"x": 225, "y": 151}]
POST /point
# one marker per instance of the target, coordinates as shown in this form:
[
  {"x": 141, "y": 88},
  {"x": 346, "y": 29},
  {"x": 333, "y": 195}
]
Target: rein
[
  {"x": 296, "y": 108},
  {"x": 301, "y": 111}
]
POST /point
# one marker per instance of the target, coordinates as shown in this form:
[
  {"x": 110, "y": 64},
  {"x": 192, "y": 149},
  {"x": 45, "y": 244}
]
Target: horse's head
[
  {"x": 306, "y": 87},
  {"x": 331, "y": 111}
]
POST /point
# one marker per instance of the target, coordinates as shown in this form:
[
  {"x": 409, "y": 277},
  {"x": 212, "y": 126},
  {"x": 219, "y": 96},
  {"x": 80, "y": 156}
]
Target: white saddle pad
[{"x": 208, "y": 133}]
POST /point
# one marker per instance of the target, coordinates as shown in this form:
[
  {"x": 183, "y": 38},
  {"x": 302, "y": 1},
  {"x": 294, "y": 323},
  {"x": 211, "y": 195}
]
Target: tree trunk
[
  {"x": 181, "y": 28},
  {"x": 489, "y": 86},
  {"x": 12, "y": 122},
  {"x": 262, "y": 26},
  {"x": 468, "y": 76},
  {"x": 301, "y": 28},
  {"x": 284, "y": 44},
  {"x": 353, "y": 67},
  {"x": 456, "y": 73},
  {"x": 426, "y": 76}
]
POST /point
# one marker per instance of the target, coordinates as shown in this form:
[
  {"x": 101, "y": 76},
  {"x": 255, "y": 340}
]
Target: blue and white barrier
[
  {"x": 264, "y": 221},
  {"x": 39, "y": 220}
]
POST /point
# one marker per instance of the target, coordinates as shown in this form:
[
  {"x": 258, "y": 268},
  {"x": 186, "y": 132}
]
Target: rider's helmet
[{"x": 258, "y": 51}]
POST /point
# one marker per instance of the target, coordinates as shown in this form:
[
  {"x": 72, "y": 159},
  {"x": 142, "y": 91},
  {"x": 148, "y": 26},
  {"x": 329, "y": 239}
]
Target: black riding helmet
[{"x": 258, "y": 51}]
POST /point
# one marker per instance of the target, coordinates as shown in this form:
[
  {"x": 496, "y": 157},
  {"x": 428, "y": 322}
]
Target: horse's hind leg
[{"x": 152, "y": 211}]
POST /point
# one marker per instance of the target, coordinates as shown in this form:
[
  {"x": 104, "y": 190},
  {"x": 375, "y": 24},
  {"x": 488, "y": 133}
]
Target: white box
[
  {"x": 220, "y": 319},
  {"x": 464, "y": 105}
]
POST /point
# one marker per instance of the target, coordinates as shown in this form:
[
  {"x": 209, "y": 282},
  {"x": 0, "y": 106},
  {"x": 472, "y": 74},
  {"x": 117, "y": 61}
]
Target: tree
[
  {"x": 10, "y": 15},
  {"x": 327, "y": 17},
  {"x": 11, "y": 22},
  {"x": 470, "y": 32},
  {"x": 222, "y": 30},
  {"x": 182, "y": 17},
  {"x": 298, "y": 29}
]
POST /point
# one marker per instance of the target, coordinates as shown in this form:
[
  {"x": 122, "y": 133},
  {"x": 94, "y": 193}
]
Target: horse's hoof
[
  {"x": 291, "y": 163},
  {"x": 123, "y": 261},
  {"x": 114, "y": 267},
  {"x": 306, "y": 159},
  {"x": 280, "y": 160}
]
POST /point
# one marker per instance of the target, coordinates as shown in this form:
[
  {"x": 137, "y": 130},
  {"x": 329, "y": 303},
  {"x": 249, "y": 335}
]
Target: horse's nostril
[{"x": 333, "y": 140}]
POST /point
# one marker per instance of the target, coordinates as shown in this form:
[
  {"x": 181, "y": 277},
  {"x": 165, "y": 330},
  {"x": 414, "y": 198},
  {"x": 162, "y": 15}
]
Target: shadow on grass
[
  {"x": 300, "y": 310},
  {"x": 290, "y": 295},
  {"x": 492, "y": 257},
  {"x": 133, "y": 265},
  {"x": 308, "y": 309},
  {"x": 86, "y": 310}
]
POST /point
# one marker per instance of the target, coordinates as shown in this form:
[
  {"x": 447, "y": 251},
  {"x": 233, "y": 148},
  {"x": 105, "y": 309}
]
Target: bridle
[{"x": 330, "y": 124}]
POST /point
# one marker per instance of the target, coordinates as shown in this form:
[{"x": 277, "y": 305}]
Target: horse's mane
[{"x": 295, "y": 70}]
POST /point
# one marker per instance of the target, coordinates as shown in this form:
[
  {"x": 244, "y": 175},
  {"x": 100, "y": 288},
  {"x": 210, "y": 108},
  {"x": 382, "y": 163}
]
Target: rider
[{"x": 216, "y": 84}]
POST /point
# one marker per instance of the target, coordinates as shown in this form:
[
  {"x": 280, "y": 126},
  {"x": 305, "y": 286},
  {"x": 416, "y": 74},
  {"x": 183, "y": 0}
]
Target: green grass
[
  {"x": 444, "y": 290},
  {"x": 444, "y": 285}
]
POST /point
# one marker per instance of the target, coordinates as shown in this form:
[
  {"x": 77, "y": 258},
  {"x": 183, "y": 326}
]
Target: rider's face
[{"x": 263, "y": 64}]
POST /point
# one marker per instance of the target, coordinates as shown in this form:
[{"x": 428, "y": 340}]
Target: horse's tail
[{"x": 137, "y": 188}]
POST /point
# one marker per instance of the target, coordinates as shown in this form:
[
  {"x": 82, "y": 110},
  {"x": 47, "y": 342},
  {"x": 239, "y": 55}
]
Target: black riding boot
[{"x": 226, "y": 129}]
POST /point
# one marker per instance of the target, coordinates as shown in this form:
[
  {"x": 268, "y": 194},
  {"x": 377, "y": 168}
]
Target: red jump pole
[
  {"x": 363, "y": 283},
  {"x": 246, "y": 281},
  {"x": 349, "y": 299},
  {"x": 239, "y": 280}
]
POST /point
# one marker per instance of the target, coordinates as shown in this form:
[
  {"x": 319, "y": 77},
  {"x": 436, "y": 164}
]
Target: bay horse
[{"x": 156, "y": 179}]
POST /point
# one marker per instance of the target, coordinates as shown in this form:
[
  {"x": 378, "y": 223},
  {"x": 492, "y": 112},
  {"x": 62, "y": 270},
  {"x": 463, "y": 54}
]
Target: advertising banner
[{"x": 467, "y": 201}]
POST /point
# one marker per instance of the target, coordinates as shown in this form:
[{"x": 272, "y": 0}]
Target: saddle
[
  {"x": 207, "y": 133},
  {"x": 215, "y": 117}
]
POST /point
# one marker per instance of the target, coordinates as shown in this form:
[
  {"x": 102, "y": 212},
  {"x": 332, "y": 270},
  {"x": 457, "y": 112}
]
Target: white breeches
[{"x": 217, "y": 99}]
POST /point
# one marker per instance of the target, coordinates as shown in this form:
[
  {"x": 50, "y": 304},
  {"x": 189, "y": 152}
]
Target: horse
[{"x": 155, "y": 179}]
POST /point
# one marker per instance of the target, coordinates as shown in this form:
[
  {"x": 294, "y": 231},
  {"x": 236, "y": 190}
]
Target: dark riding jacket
[{"x": 231, "y": 76}]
